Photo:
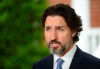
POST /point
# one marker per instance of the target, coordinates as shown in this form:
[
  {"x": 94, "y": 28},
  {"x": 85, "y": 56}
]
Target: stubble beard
[{"x": 58, "y": 51}]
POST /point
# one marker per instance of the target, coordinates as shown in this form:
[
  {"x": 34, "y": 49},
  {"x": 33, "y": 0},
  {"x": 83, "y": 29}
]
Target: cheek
[
  {"x": 64, "y": 38},
  {"x": 47, "y": 37}
]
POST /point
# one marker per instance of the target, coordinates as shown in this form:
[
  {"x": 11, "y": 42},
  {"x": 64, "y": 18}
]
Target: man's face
[{"x": 58, "y": 35}]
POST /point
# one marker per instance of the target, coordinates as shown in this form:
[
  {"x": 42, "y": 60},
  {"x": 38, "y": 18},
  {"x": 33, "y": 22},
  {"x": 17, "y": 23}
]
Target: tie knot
[{"x": 60, "y": 61}]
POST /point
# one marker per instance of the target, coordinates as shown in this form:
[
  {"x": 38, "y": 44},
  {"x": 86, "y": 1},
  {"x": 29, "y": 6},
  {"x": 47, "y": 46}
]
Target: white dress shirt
[{"x": 67, "y": 58}]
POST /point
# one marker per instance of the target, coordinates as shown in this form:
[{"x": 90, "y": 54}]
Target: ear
[{"x": 73, "y": 33}]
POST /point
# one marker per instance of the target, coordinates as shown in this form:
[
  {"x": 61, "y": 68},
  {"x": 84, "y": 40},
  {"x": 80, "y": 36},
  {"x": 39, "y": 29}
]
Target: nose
[{"x": 54, "y": 35}]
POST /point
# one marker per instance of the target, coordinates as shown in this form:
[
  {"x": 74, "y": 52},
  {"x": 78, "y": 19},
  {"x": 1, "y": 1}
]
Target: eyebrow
[
  {"x": 55, "y": 26},
  {"x": 60, "y": 26}
]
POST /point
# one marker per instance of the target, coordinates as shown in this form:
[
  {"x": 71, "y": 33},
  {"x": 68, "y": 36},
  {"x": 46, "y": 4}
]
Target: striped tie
[{"x": 59, "y": 63}]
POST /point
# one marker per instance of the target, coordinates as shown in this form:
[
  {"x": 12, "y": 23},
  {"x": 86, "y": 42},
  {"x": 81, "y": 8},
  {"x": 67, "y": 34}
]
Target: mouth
[{"x": 55, "y": 45}]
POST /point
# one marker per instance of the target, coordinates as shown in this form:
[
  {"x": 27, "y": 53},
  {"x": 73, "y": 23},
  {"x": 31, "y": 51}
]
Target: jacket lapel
[
  {"x": 49, "y": 64},
  {"x": 75, "y": 64}
]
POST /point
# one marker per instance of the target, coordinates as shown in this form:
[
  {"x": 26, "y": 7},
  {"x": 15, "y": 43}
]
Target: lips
[{"x": 55, "y": 45}]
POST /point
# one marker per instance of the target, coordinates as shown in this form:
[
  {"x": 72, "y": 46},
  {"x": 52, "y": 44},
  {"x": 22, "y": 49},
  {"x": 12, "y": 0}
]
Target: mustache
[{"x": 54, "y": 41}]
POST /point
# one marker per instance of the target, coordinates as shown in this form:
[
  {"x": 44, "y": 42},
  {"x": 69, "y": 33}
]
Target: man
[{"x": 62, "y": 27}]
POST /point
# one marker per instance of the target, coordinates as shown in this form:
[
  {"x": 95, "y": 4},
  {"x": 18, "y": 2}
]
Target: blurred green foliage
[{"x": 21, "y": 37}]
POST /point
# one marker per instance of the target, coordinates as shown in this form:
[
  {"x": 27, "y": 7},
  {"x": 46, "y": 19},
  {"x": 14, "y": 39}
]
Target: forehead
[{"x": 55, "y": 21}]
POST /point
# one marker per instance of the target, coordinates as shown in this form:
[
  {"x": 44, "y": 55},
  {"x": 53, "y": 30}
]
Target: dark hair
[{"x": 72, "y": 19}]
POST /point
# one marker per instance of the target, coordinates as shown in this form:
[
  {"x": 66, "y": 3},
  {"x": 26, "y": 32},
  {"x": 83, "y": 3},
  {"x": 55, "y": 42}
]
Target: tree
[{"x": 21, "y": 41}]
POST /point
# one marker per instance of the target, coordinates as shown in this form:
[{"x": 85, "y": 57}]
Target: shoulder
[
  {"x": 87, "y": 60},
  {"x": 88, "y": 57},
  {"x": 44, "y": 62},
  {"x": 46, "y": 59},
  {"x": 92, "y": 62}
]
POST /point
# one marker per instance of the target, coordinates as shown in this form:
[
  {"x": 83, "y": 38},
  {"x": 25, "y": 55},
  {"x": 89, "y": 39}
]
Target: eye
[
  {"x": 47, "y": 28},
  {"x": 60, "y": 29}
]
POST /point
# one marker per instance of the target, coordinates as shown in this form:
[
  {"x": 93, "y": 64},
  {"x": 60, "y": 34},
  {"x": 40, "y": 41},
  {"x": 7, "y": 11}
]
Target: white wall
[
  {"x": 90, "y": 37},
  {"x": 82, "y": 9}
]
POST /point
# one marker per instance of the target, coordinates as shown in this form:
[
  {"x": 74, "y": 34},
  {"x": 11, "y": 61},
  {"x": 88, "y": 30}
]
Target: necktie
[{"x": 59, "y": 63}]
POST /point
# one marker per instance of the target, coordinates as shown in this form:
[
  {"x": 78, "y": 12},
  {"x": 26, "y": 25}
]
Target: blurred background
[
  {"x": 21, "y": 35},
  {"x": 22, "y": 40}
]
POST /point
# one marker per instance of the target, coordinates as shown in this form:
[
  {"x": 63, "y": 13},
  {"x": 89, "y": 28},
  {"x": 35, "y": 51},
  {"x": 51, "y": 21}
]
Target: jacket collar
[{"x": 75, "y": 64}]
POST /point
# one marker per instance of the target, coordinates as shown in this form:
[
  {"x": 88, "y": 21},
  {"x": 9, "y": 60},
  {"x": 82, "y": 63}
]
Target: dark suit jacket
[{"x": 81, "y": 60}]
